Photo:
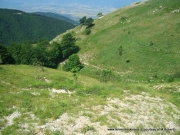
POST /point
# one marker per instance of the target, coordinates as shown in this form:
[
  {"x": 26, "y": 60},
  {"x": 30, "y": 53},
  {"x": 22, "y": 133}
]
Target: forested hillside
[
  {"x": 18, "y": 26},
  {"x": 57, "y": 16}
]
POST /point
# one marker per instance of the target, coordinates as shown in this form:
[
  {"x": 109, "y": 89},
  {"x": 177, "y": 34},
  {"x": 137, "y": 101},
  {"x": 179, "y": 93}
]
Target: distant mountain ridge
[
  {"x": 19, "y": 26},
  {"x": 57, "y": 16}
]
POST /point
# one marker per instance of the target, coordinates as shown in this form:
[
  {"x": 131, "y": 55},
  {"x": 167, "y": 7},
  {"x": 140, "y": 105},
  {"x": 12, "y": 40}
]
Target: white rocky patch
[
  {"x": 133, "y": 111},
  {"x": 11, "y": 117},
  {"x": 53, "y": 90}
]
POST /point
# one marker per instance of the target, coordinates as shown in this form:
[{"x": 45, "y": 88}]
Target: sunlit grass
[
  {"x": 149, "y": 64},
  {"x": 35, "y": 96}
]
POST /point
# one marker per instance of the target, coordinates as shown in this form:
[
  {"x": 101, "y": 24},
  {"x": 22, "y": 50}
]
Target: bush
[
  {"x": 88, "y": 31},
  {"x": 127, "y": 61},
  {"x": 176, "y": 75},
  {"x": 150, "y": 43},
  {"x": 123, "y": 18},
  {"x": 73, "y": 64},
  {"x": 106, "y": 75},
  {"x": 170, "y": 79},
  {"x": 88, "y": 128},
  {"x": 120, "y": 50}
]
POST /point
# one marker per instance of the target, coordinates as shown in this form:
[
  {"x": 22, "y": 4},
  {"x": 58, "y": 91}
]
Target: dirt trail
[{"x": 100, "y": 68}]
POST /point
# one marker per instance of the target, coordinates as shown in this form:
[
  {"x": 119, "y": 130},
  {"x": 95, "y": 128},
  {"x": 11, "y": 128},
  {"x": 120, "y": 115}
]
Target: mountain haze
[{"x": 57, "y": 16}]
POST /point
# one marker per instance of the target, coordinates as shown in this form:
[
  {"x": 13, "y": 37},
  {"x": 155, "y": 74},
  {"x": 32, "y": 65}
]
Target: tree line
[{"x": 48, "y": 55}]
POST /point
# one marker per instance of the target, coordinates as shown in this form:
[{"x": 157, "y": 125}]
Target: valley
[{"x": 128, "y": 80}]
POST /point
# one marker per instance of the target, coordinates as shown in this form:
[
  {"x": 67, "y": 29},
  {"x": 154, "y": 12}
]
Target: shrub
[
  {"x": 120, "y": 50},
  {"x": 88, "y": 31},
  {"x": 176, "y": 75},
  {"x": 150, "y": 43},
  {"x": 170, "y": 79},
  {"x": 127, "y": 61},
  {"x": 88, "y": 128},
  {"x": 106, "y": 75},
  {"x": 73, "y": 64},
  {"x": 123, "y": 18}
]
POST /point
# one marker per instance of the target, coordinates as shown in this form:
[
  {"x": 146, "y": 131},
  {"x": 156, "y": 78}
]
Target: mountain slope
[
  {"x": 18, "y": 26},
  {"x": 46, "y": 101},
  {"x": 57, "y": 16},
  {"x": 148, "y": 35},
  {"x": 40, "y": 100}
]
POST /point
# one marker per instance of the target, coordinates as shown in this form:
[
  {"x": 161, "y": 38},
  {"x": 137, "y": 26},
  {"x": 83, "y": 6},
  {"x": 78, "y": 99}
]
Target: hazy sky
[{"x": 74, "y": 7}]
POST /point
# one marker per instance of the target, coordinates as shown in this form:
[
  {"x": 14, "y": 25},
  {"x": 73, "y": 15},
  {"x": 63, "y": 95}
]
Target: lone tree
[
  {"x": 86, "y": 21},
  {"x": 89, "y": 22},
  {"x": 99, "y": 14},
  {"x": 83, "y": 20},
  {"x": 68, "y": 45}
]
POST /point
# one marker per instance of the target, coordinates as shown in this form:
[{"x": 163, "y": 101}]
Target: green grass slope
[
  {"x": 18, "y": 26},
  {"x": 148, "y": 33},
  {"x": 38, "y": 100}
]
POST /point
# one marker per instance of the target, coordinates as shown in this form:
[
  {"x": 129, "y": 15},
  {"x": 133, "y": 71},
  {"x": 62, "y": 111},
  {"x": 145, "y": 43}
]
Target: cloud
[
  {"x": 86, "y": 10},
  {"x": 77, "y": 10}
]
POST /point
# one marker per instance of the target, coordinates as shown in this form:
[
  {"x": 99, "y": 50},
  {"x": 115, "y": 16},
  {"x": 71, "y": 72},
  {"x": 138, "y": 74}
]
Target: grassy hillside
[
  {"x": 38, "y": 100},
  {"x": 148, "y": 34},
  {"x": 18, "y": 26}
]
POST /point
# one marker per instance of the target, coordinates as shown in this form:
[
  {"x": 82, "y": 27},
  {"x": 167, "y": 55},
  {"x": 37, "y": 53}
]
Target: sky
[{"x": 76, "y": 8}]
